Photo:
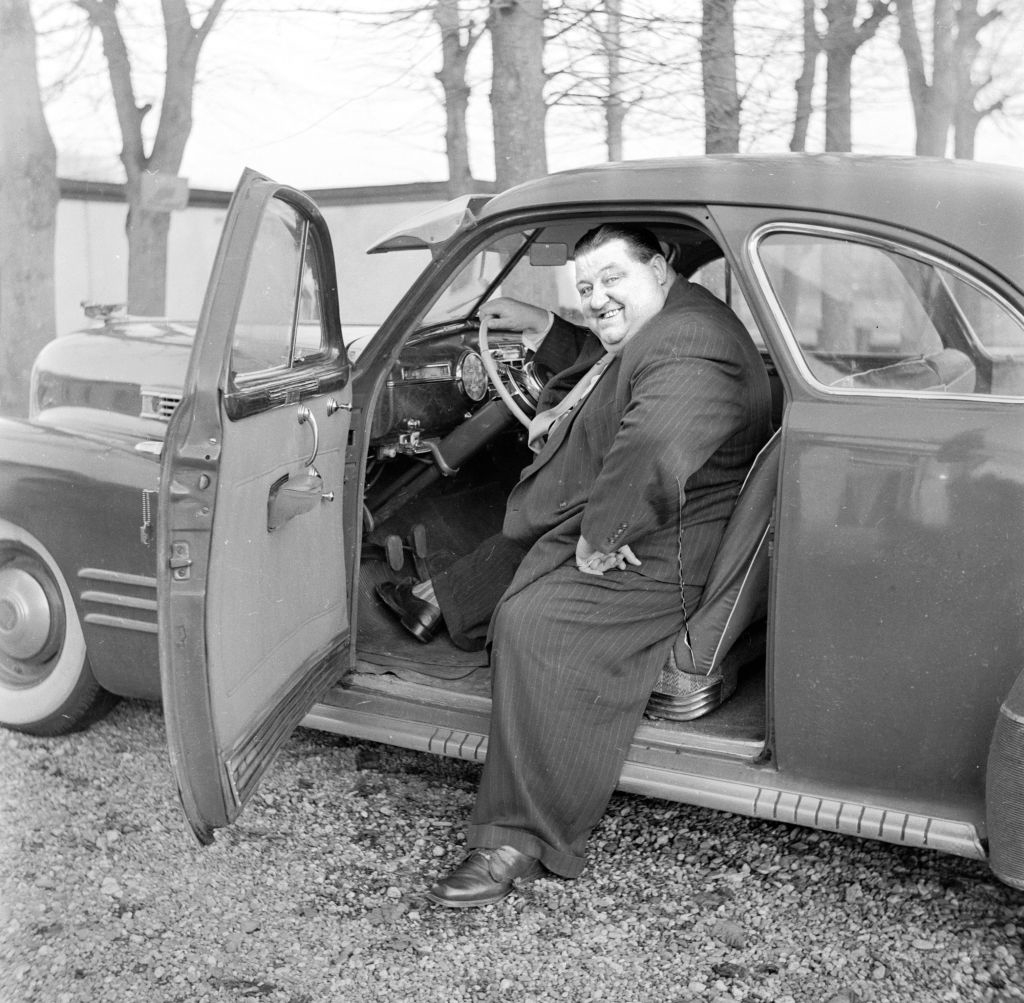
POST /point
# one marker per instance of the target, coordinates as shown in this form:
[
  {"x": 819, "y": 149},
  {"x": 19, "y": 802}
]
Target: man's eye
[{"x": 585, "y": 290}]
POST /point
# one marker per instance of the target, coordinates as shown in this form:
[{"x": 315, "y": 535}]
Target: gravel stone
[{"x": 316, "y": 894}]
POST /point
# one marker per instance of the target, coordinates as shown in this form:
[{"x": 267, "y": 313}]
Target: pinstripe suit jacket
[{"x": 656, "y": 454}]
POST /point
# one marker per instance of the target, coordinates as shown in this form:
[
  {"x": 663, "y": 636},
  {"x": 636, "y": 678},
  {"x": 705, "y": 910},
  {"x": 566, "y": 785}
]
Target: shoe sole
[{"x": 448, "y": 903}]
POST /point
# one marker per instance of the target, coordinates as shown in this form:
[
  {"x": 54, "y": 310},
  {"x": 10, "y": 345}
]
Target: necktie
[{"x": 547, "y": 421}]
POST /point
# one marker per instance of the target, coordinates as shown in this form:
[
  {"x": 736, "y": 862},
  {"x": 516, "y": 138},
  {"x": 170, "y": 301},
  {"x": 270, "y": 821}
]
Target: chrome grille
[{"x": 158, "y": 404}]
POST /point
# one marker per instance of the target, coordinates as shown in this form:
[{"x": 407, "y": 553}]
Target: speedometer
[{"x": 471, "y": 377}]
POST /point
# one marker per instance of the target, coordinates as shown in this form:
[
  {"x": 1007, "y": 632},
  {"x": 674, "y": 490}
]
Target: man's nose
[{"x": 597, "y": 298}]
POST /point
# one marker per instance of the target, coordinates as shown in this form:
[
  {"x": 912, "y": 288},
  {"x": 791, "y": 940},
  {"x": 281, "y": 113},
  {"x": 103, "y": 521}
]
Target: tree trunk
[
  {"x": 718, "y": 66},
  {"x": 615, "y": 106},
  {"x": 29, "y": 194},
  {"x": 841, "y": 44},
  {"x": 967, "y": 115},
  {"x": 454, "y": 56},
  {"x": 932, "y": 102},
  {"x": 148, "y": 226},
  {"x": 517, "y": 90},
  {"x": 805, "y": 82}
]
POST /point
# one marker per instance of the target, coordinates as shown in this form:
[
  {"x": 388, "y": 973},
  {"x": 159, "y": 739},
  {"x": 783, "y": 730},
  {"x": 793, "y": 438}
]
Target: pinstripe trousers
[{"x": 574, "y": 660}]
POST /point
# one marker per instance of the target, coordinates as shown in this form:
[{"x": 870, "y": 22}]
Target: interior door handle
[{"x": 306, "y": 416}]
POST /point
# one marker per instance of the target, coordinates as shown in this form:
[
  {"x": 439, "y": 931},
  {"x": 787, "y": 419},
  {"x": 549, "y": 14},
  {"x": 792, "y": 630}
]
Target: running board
[{"x": 344, "y": 716}]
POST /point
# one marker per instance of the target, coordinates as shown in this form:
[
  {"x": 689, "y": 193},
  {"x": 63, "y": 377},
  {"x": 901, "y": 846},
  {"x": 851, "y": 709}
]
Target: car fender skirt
[{"x": 1004, "y": 790}]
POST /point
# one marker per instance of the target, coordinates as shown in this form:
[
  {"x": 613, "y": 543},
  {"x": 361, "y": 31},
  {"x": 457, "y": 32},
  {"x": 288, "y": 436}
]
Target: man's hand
[
  {"x": 594, "y": 562},
  {"x": 507, "y": 314}
]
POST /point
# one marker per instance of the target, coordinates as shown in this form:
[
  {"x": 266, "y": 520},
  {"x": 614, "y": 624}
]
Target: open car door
[{"x": 253, "y": 617}]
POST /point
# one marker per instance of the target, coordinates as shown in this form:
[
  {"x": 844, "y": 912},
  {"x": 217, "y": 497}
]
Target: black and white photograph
[{"x": 512, "y": 500}]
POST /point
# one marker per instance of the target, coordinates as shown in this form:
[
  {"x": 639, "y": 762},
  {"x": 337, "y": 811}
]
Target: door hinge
[{"x": 180, "y": 562}]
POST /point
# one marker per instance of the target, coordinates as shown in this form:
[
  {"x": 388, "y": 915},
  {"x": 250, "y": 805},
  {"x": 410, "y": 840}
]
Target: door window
[
  {"x": 866, "y": 316},
  {"x": 279, "y": 326}
]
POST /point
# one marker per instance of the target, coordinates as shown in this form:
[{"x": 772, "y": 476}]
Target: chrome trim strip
[
  {"x": 121, "y": 622},
  {"x": 427, "y": 373},
  {"x": 112, "y": 599},
  {"x": 119, "y": 577}
]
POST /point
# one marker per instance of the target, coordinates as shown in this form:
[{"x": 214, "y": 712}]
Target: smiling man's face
[{"x": 619, "y": 294}]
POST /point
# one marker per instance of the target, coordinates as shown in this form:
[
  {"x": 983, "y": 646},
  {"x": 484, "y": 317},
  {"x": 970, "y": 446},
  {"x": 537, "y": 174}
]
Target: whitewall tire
[{"x": 46, "y": 685}]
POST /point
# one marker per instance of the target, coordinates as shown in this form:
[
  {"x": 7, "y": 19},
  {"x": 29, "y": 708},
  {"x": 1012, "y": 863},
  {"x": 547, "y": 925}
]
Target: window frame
[{"x": 258, "y": 390}]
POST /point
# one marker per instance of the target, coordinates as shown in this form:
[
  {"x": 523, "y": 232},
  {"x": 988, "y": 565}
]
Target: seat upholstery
[{"x": 693, "y": 681}]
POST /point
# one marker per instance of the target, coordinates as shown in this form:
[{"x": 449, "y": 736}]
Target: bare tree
[
  {"x": 458, "y": 38},
  {"x": 603, "y": 59},
  {"x": 147, "y": 226},
  {"x": 972, "y": 80},
  {"x": 933, "y": 100},
  {"x": 805, "y": 82},
  {"x": 718, "y": 65},
  {"x": 841, "y": 42},
  {"x": 29, "y": 195},
  {"x": 615, "y": 107},
  {"x": 517, "y": 90}
]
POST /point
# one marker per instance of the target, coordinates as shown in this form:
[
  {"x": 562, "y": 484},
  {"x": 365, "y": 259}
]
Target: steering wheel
[{"x": 505, "y": 384}]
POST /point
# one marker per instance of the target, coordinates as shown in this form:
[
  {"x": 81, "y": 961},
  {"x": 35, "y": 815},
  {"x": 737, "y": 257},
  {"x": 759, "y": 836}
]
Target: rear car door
[
  {"x": 898, "y": 597},
  {"x": 253, "y": 618}
]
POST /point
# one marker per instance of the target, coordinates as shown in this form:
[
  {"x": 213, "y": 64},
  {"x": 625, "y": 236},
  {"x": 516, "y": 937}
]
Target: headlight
[{"x": 471, "y": 377}]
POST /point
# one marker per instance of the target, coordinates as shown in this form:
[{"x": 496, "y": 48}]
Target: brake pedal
[{"x": 395, "y": 551}]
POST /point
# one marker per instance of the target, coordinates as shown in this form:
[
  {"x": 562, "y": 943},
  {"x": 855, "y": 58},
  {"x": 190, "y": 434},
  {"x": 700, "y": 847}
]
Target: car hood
[{"x": 138, "y": 352}]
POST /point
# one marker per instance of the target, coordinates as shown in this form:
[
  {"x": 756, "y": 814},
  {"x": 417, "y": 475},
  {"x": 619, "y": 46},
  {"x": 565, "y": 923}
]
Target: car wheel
[{"x": 46, "y": 685}]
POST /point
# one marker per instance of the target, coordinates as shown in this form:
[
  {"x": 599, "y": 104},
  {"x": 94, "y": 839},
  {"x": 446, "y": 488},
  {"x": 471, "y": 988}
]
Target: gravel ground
[{"x": 315, "y": 894}]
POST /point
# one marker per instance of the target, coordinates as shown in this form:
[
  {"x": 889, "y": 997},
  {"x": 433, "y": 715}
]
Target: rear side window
[{"x": 864, "y": 315}]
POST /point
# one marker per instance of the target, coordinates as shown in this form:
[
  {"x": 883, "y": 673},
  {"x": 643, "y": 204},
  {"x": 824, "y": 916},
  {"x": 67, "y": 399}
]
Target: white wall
[{"x": 92, "y": 258}]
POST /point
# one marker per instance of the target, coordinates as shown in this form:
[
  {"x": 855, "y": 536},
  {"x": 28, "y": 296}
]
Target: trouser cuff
[{"x": 489, "y": 837}]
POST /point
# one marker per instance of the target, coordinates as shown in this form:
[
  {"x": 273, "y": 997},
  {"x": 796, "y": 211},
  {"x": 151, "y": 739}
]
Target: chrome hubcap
[{"x": 26, "y": 621}]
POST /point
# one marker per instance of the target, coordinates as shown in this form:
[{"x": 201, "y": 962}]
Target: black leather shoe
[
  {"x": 485, "y": 877},
  {"x": 420, "y": 618}
]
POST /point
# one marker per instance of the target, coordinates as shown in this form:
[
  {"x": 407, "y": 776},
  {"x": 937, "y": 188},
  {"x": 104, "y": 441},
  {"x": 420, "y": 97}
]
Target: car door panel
[
  {"x": 891, "y": 655},
  {"x": 254, "y": 621}
]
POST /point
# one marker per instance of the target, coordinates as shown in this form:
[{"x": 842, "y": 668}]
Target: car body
[{"x": 883, "y": 698}]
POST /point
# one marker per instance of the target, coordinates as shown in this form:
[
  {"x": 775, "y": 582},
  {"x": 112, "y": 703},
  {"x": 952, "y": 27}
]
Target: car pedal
[
  {"x": 418, "y": 539},
  {"x": 395, "y": 551}
]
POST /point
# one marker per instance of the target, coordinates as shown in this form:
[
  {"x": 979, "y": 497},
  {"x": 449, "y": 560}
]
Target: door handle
[{"x": 306, "y": 416}]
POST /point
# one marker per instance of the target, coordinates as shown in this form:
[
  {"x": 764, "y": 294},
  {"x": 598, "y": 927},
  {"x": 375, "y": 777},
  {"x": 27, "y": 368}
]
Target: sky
[{"x": 320, "y": 101}]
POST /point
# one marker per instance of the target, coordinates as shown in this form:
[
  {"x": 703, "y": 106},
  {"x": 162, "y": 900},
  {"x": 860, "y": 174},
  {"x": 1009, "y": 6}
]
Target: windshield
[{"x": 515, "y": 264}]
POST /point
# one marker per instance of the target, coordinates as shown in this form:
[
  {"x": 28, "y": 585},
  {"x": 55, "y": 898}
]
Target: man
[{"x": 620, "y": 516}]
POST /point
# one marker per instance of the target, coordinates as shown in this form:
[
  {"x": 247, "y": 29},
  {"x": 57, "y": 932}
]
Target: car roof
[{"x": 978, "y": 208}]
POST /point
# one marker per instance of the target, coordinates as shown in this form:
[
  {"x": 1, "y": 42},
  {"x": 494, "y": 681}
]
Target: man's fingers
[{"x": 628, "y": 556}]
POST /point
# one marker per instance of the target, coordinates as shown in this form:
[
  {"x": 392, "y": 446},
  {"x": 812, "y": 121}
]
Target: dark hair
[{"x": 642, "y": 244}]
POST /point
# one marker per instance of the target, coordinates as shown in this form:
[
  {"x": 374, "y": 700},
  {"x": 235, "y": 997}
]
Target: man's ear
[{"x": 660, "y": 266}]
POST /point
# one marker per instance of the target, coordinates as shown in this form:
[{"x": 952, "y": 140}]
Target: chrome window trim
[{"x": 884, "y": 243}]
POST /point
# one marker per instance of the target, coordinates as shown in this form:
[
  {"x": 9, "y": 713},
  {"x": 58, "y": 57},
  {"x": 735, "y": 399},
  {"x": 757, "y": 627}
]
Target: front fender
[{"x": 82, "y": 497}]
